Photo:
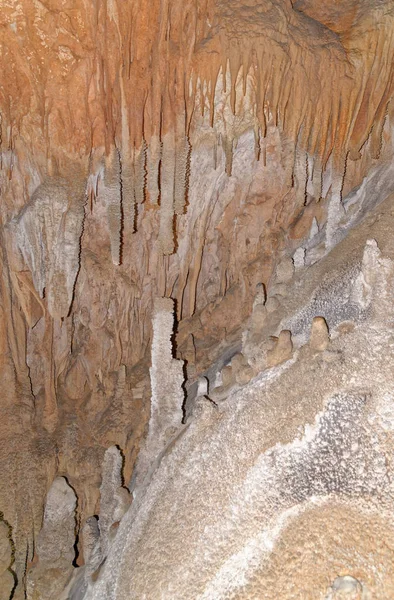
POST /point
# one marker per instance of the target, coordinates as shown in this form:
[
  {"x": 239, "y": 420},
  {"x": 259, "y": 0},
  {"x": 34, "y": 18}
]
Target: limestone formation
[
  {"x": 202, "y": 389},
  {"x": 227, "y": 375},
  {"x": 7, "y": 579},
  {"x": 166, "y": 375},
  {"x": 272, "y": 304},
  {"x": 55, "y": 541},
  {"x": 314, "y": 229},
  {"x": 319, "y": 338},
  {"x": 261, "y": 295},
  {"x": 111, "y": 191},
  {"x": 92, "y": 552},
  {"x": 284, "y": 270},
  {"x": 299, "y": 258},
  {"x": 363, "y": 288},
  {"x": 47, "y": 232},
  {"x": 55, "y": 545},
  {"x": 282, "y": 350},
  {"x": 191, "y": 150},
  {"x": 114, "y": 498},
  {"x": 244, "y": 374}
]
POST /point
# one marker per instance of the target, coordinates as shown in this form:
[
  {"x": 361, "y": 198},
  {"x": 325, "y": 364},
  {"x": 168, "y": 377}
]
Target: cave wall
[{"x": 158, "y": 149}]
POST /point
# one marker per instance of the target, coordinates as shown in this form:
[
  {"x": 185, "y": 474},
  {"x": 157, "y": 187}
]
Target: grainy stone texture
[
  {"x": 114, "y": 498},
  {"x": 55, "y": 544},
  {"x": 7, "y": 580},
  {"x": 228, "y": 133},
  {"x": 284, "y": 489},
  {"x": 167, "y": 379}
]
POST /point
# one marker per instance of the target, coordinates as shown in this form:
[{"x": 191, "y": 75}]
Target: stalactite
[
  {"x": 139, "y": 173},
  {"x": 128, "y": 194},
  {"x": 153, "y": 161},
  {"x": 326, "y": 94},
  {"x": 317, "y": 179},
  {"x": 335, "y": 210},
  {"x": 112, "y": 198},
  {"x": 228, "y": 147},
  {"x": 182, "y": 149},
  {"x": 301, "y": 175},
  {"x": 166, "y": 231}
]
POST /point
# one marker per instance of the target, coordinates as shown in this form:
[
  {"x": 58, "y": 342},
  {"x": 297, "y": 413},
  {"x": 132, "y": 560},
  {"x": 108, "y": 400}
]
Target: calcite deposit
[{"x": 181, "y": 183}]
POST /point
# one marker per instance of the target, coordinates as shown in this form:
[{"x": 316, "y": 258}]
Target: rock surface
[
  {"x": 284, "y": 489},
  {"x": 208, "y": 152}
]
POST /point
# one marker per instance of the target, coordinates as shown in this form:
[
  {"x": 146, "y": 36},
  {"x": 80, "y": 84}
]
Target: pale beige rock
[
  {"x": 259, "y": 317},
  {"x": 7, "y": 584},
  {"x": 92, "y": 553},
  {"x": 282, "y": 350},
  {"x": 244, "y": 375},
  {"x": 319, "y": 337},
  {"x": 279, "y": 289},
  {"x": 261, "y": 295},
  {"x": 227, "y": 375},
  {"x": 167, "y": 378},
  {"x": 238, "y": 361},
  {"x": 272, "y": 304},
  {"x": 202, "y": 389},
  {"x": 114, "y": 498},
  {"x": 285, "y": 270},
  {"x": 7, "y": 580},
  {"x": 5, "y": 547},
  {"x": 299, "y": 258},
  {"x": 55, "y": 544},
  {"x": 55, "y": 541},
  {"x": 314, "y": 83},
  {"x": 346, "y": 588}
]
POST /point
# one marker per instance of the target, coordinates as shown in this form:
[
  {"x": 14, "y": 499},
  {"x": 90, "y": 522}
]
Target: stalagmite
[
  {"x": 114, "y": 498},
  {"x": 166, "y": 375},
  {"x": 282, "y": 350},
  {"x": 92, "y": 552},
  {"x": 299, "y": 258},
  {"x": 55, "y": 545},
  {"x": 363, "y": 289},
  {"x": 335, "y": 211},
  {"x": 319, "y": 338}
]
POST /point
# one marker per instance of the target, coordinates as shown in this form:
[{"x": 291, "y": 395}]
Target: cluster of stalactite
[{"x": 126, "y": 84}]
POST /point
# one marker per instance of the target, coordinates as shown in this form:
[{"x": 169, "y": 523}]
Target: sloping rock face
[
  {"x": 283, "y": 489},
  {"x": 177, "y": 150}
]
